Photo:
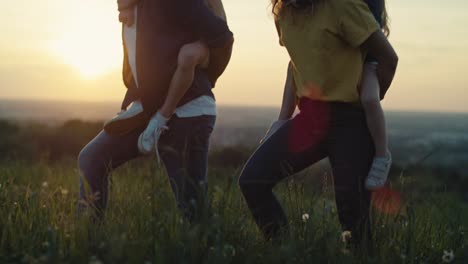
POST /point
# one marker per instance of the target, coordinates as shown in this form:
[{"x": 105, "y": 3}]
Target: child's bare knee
[{"x": 191, "y": 55}]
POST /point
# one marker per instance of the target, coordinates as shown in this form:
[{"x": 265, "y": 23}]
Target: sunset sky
[{"x": 71, "y": 50}]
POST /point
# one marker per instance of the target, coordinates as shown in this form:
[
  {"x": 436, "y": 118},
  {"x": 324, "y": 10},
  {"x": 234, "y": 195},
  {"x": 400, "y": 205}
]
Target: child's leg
[
  {"x": 190, "y": 56},
  {"x": 370, "y": 99}
]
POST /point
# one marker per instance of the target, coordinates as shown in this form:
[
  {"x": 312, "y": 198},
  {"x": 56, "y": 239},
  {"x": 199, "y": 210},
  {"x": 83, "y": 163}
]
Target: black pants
[
  {"x": 334, "y": 130},
  {"x": 184, "y": 152}
]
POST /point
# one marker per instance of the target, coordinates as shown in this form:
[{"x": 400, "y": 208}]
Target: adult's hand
[
  {"x": 272, "y": 130},
  {"x": 127, "y": 17}
]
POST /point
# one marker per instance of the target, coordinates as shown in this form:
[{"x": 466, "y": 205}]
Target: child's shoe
[{"x": 378, "y": 173}]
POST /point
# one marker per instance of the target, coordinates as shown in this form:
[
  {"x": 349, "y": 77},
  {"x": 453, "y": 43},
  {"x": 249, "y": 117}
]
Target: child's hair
[{"x": 279, "y": 6}]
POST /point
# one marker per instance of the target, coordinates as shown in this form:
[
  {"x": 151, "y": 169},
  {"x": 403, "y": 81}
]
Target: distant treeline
[
  {"x": 35, "y": 141},
  {"x": 38, "y": 142}
]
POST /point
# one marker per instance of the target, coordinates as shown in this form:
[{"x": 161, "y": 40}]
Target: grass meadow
[{"x": 39, "y": 224}]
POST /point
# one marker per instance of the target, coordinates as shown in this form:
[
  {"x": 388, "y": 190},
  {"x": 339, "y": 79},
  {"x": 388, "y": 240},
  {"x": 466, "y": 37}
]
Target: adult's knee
[
  {"x": 84, "y": 161},
  {"x": 88, "y": 163},
  {"x": 246, "y": 178}
]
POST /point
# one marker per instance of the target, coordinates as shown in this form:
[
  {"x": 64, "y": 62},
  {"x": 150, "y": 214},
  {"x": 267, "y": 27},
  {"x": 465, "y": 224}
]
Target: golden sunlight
[{"x": 90, "y": 39}]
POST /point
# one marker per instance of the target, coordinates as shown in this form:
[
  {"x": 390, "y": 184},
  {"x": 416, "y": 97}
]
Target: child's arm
[
  {"x": 289, "y": 97},
  {"x": 190, "y": 57},
  {"x": 287, "y": 107}
]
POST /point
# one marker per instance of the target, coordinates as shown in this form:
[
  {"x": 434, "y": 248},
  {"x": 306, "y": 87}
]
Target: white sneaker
[
  {"x": 378, "y": 173},
  {"x": 149, "y": 139}
]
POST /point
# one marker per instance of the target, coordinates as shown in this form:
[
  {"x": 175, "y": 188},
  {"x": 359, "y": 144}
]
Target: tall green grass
[{"x": 39, "y": 224}]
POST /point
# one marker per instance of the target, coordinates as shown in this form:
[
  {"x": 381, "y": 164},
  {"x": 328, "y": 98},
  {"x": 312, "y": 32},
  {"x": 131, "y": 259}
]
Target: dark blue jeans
[
  {"x": 183, "y": 149},
  {"x": 334, "y": 130}
]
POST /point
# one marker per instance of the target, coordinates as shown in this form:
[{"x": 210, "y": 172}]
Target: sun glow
[{"x": 90, "y": 41}]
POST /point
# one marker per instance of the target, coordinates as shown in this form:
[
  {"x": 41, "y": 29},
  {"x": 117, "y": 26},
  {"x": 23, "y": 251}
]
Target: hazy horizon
[{"x": 116, "y": 104}]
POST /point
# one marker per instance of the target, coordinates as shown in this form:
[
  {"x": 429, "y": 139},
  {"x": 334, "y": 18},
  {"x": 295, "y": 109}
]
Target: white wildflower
[
  {"x": 346, "y": 236},
  {"x": 448, "y": 256},
  {"x": 64, "y": 192},
  {"x": 102, "y": 245},
  {"x": 305, "y": 217},
  {"x": 229, "y": 250},
  {"x": 94, "y": 260},
  {"x": 45, "y": 184}
]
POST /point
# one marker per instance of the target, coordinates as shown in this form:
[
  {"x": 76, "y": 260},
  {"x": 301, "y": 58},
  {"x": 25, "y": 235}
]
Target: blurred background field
[{"x": 422, "y": 213}]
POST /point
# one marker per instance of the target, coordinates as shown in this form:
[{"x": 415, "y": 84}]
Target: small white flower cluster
[
  {"x": 229, "y": 251},
  {"x": 305, "y": 217},
  {"x": 448, "y": 256},
  {"x": 63, "y": 191},
  {"x": 95, "y": 260},
  {"x": 346, "y": 236}
]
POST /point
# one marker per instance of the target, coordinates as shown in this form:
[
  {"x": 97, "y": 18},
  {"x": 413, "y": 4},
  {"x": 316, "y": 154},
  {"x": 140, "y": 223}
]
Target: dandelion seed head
[
  {"x": 94, "y": 260},
  {"x": 45, "y": 184},
  {"x": 229, "y": 250},
  {"x": 346, "y": 236},
  {"x": 64, "y": 192},
  {"x": 305, "y": 217},
  {"x": 448, "y": 256}
]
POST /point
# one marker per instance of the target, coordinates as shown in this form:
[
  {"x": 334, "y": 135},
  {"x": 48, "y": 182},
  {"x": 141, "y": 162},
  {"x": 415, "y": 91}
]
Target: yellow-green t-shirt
[{"x": 324, "y": 46}]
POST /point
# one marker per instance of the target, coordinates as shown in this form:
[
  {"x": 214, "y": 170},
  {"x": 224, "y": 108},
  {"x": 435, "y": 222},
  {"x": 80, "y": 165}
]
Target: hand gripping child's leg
[{"x": 190, "y": 56}]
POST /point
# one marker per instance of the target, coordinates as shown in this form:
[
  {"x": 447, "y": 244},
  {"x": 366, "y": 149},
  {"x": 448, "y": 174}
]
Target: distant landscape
[
  {"x": 419, "y": 217},
  {"x": 413, "y": 135}
]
